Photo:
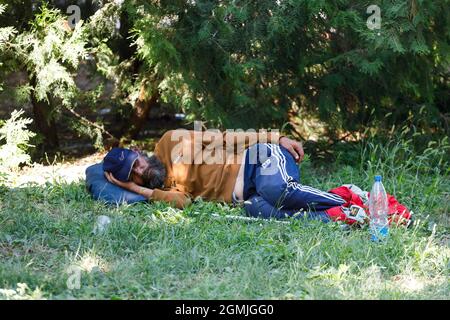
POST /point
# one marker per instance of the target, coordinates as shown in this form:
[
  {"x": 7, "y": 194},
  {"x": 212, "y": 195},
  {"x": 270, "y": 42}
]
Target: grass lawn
[{"x": 151, "y": 251}]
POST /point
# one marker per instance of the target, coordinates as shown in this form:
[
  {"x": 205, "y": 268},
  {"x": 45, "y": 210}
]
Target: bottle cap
[{"x": 377, "y": 178}]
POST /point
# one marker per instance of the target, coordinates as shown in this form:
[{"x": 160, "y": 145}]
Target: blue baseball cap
[{"x": 119, "y": 162}]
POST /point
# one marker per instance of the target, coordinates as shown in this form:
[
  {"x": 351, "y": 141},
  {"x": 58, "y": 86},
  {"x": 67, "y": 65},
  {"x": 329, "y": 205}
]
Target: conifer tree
[{"x": 246, "y": 63}]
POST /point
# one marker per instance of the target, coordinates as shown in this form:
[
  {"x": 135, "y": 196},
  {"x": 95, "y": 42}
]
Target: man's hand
[
  {"x": 130, "y": 185},
  {"x": 294, "y": 147}
]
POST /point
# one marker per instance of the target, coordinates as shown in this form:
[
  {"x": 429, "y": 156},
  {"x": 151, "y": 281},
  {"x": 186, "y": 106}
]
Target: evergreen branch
[{"x": 88, "y": 122}]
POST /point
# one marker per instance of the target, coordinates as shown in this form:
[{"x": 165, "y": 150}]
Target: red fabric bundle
[{"x": 398, "y": 213}]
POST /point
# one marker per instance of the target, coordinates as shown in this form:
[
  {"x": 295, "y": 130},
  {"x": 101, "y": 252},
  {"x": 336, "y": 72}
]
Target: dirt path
[{"x": 68, "y": 172}]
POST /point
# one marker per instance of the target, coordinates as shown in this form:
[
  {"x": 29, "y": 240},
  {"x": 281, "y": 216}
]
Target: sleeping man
[{"x": 256, "y": 170}]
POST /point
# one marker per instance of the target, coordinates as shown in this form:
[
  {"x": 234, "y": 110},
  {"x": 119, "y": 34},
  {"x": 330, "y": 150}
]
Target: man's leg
[
  {"x": 278, "y": 182},
  {"x": 256, "y": 206}
]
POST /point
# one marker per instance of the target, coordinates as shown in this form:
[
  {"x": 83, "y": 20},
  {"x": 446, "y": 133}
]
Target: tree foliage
[
  {"x": 240, "y": 63},
  {"x": 14, "y": 141},
  {"x": 51, "y": 52},
  {"x": 6, "y": 34},
  {"x": 246, "y": 63}
]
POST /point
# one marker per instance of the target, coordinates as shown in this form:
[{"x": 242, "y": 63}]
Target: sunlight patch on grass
[
  {"x": 409, "y": 283},
  {"x": 89, "y": 262},
  {"x": 22, "y": 292},
  {"x": 63, "y": 172},
  {"x": 170, "y": 215}
]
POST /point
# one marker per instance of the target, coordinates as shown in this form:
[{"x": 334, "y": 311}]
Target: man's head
[
  {"x": 133, "y": 165},
  {"x": 148, "y": 171}
]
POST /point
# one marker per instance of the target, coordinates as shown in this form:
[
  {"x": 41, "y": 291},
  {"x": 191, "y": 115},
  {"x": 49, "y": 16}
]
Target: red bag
[{"x": 351, "y": 212}]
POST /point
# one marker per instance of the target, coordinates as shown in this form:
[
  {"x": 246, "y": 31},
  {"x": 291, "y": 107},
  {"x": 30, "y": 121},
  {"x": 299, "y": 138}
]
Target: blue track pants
[{"x": 272, "y": 187}]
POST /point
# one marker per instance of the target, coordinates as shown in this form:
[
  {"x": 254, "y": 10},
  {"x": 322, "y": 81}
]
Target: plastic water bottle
[
  {"x": 378, "y": 207},
  {"x": 101, "y": 224}
]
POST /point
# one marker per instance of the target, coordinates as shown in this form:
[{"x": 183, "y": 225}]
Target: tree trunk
[
  {"x": 141, "y": 109},
  {"x": 44, "y": 122}
]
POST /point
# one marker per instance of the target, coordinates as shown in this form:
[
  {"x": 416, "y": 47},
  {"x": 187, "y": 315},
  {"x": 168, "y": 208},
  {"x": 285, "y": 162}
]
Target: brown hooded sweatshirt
[{"x": 203, "y": 163}]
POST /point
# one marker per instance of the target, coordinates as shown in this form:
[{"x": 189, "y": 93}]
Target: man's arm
[
  {"x": 294, "y": 147},
  {"x": 244, "y": 140},
  {"x": 174, "y": 197},
  {"x": 177, "y": 198}
]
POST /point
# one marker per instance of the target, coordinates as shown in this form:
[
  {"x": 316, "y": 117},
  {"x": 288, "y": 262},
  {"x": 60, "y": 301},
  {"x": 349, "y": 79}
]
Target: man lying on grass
[{"x": 258, "y": 170}]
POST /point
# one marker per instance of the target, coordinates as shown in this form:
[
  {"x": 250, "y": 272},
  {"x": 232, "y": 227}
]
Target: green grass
[{"x": 151, "y": 251}]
